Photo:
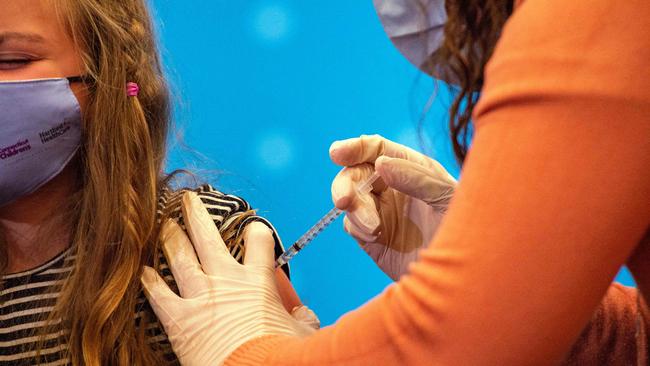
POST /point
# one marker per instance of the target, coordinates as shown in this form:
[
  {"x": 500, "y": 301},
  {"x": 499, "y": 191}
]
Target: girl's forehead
[
  {"x": 30, "y": 22},
  {"x": 33, "y": 32}
]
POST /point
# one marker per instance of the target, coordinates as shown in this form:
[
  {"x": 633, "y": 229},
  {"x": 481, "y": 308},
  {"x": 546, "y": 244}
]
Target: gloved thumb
[
  {"x": 306, "y": 316},
  {"x": 259, "y": 244},
  {"x": 415, "y": 180}
]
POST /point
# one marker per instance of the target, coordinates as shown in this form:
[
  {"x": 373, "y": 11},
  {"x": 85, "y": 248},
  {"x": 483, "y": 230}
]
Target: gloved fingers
[
  {"x": 344, "y": 185},
  {"x": 366, "y": 149},
  {"x": 306, "y": 316},
  {"x": 182, "y": 259},
  {"x": 364, "y": 214},
  {"x": 415, "y": 180},
  {"x": 358, "y": 233},
  {"x": 259, "y": 245},
  {"x": 360, "y": 207},
  {"x": 343, "y": 192},
  {"x": 162, "y": 299},
  {"x": 205, "y": 236}
]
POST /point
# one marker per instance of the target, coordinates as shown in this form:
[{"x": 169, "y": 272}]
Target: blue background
[{"x": 262, "y": 88}]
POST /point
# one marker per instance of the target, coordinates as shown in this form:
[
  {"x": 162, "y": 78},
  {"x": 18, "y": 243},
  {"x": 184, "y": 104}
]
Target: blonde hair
[{"x": 121, "y": 158}]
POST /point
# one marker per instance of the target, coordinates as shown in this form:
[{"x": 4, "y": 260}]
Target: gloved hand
[
  {"x": 223, "y": 303},
  {"x": 306, "y": 316},
  {"x": 401, "y": 215}
]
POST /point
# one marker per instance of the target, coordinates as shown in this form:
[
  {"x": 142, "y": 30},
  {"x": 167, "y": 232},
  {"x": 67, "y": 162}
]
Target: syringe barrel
[
  {"x": 363, "y": 188},
  {"x": 366, "y": 186}
]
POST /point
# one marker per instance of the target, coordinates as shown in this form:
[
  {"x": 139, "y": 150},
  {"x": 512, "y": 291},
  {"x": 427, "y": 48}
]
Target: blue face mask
[{"x": 40, "y": 132}]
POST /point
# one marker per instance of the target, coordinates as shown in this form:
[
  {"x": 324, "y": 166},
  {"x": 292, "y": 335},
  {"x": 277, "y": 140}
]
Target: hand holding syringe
[{"x": 363, "y": 188}]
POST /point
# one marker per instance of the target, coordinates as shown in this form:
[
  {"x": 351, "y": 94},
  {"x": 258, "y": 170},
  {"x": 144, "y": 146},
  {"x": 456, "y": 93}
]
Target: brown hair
[{"x": 472, "y": 30}]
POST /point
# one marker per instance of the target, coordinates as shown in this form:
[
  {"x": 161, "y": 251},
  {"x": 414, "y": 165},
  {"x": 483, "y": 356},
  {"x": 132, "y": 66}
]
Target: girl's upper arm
[{"x": 232, "y": 214}]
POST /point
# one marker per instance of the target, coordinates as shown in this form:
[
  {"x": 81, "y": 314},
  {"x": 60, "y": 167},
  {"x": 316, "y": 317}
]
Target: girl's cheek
[{"x": 81, "y": 93}]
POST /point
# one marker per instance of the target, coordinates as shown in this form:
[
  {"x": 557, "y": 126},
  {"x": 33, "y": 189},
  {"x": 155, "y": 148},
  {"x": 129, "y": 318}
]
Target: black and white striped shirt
[{"x": 27, "y": 298}]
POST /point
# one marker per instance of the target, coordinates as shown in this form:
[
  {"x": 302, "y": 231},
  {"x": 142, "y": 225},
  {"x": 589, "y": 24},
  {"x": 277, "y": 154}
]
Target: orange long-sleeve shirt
[{"x": 554, "y": 198}]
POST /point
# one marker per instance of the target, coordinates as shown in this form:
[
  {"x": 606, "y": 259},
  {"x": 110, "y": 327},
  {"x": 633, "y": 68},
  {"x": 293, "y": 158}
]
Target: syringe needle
[
  {"x": 307, "y": 237},
  {"x": 363, "y": 188}
]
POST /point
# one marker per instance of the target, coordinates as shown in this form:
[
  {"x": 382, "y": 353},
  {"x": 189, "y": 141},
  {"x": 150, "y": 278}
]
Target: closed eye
[{"x": 15, "y": 63}]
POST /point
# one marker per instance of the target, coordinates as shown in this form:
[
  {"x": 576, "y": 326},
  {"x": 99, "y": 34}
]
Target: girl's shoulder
[
  {"x": 230, "y": 213},
  {"x": 218, "y": 203}
]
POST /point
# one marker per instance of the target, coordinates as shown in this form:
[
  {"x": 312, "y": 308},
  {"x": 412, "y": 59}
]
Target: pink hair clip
[{"x": 132, "y": 89}]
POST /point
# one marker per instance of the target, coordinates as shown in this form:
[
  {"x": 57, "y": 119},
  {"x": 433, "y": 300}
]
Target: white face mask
[{"x": 416, "y": 27}]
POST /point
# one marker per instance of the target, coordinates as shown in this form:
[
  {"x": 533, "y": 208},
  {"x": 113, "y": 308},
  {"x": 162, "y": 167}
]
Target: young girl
[
  {"x": 85, "y": 114},
  {"x": 554, "y": 198}
]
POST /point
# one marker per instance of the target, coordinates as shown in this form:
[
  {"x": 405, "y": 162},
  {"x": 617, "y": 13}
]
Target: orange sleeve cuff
[{"x": 256, "y": 351}]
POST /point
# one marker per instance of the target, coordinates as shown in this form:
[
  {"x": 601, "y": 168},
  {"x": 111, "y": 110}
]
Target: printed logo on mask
[
  {"x": 54, "y": 132},
  {"x": 15, "y": 149},
  {"x": 40, "y": 133}
]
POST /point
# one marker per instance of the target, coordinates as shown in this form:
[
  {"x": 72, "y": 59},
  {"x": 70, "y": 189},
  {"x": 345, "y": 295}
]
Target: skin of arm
[{"x": 288, "y": 294}]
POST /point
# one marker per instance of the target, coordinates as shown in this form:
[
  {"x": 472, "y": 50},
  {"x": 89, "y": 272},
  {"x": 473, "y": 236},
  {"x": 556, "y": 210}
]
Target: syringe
[{"x": 363, "y": 188}]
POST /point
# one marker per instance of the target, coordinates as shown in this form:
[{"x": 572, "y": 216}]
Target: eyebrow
[{"x": 24, "y": 37}]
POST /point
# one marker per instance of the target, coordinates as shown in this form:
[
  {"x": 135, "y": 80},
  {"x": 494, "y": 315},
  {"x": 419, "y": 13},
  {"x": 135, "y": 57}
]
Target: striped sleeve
[{"x": 230, "y": 213}]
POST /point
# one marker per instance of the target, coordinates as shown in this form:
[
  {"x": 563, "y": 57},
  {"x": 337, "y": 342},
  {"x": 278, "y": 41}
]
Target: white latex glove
[
  {"x": 402, "y": 213},
  {"x": 306, "y": 316},
  {"x": 223, "y": 303}
]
